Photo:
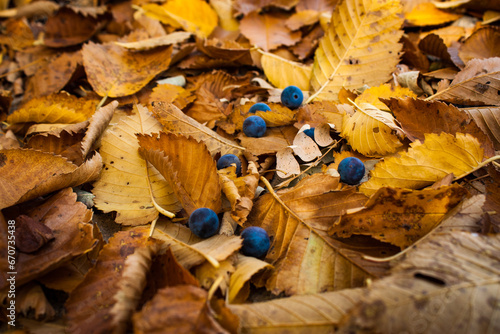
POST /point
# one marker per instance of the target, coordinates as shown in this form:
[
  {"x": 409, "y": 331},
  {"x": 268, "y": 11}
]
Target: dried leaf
[
  {"x": 283, "y": 73},
  {"x": 127, "y": 182},
  {"x": 31, "y": 298},
  {"x": 473, "y": 85},
  {"x": 175, "y": 121},
  {"x": 248, "y": 6},
  {"x": 114, "y": 71},
  {"x": 318, "y": 313},
  {"x": 418, "y": 117},
  {"x": 70, "y": 221},
  {"x": 97, "y": 124},
  {"x": 427, "y": 162},
  {"x": 27, "y": 174},
  {"x": 224, "y": 9},
  {"x": 483, "y": 43},
  {"x": 174, "y": 157},
  {"x": 426, "y": 14},
  {"x": 151, "y": 43},
  {"x": 456, "y": 271},
  {"x": 362, "y": 38},
  {"x": 373, "y": 95},
  {"x": 371, "y": 131},
  {"x": 267, "y": 31},
  {"x": 321, "y": 112},
  {"x": 486, "y": 119},
  {"x": 434, "y": 45},
  {"x": 89, "y": 305},
  {"x": 246, "y": 267},
  {"x": 55, "y": 108},
  {"x": 398, "y": 216}
]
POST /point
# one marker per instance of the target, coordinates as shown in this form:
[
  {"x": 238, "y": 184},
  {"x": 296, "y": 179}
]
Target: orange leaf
[{"x": 175, "y": 157}]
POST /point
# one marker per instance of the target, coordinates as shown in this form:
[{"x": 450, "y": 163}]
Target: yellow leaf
[
  {"x": 360, "y": 47},
  {"x": 127, "y": 181},
  {"x": 195, "y": 16},
  {"x": 224, "y": 9},
  {"x": 370, "y": 131},
  {"x": 385, "y": 91},
  {"x": 55, "y": 108},
  {"x": 426, "y": 14},
  {"x": 426, "y": 163},
  {"x": 282, "y": 72},
  {"x": 246, "y": 267}
]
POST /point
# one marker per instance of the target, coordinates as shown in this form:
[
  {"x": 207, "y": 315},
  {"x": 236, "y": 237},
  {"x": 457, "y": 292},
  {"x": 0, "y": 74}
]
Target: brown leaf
[
  {"x": 225, "y": 49},
  {"x": 27, "y": 174},
  {"x": 31, "y": 298},
  {"x": 97, "y": 124},
  {"x": 418, "y": 117},
  {"x": 306, "y": 46},
  {"x": 70, "y": 222},
  {"x": 399, "y": 216},
  {"x": 114, "y": 71},
  {"x": 63, "y": 143},
  {"x": 67, "y": 27},
  {"x": 434, "y": 45},
  {"x": 483, "y": 43},
  {"x": 89, "y": 305},
  {"x": 275, "y": 140},
  {"x": 174, "y": 157},
  {"x": 268, "y": 31},
  {"x": 447, "y": 282},
  {"x": 493, "y": 197},
  {"x": 321, "y": 112},
  {"x": 18, "y": 34},
  {"x": 31, "y": 234},
  {"x": 487, "y": 118},
  {"x": 180, "y": 309},
  {"x": 175, "y": 121},
  {"x": 177, "y": 95},
  {"x": 248, "y": 6},
  {"x": 473, "y": 85}
]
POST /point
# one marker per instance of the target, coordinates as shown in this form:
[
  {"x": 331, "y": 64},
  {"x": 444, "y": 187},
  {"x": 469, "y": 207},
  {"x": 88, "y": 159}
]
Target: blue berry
[
  {"x": 227, "y": 160},
  {"x": 292, "y": 97},
  {"x": 203, "y": 222},
  {"x": 256, "y": 241},
  {"x": 351, "y": 170},
  {"x": 254, "y": 126},
  {"x": 259, "y": 107},
  {"x": 310, "y": 133}
]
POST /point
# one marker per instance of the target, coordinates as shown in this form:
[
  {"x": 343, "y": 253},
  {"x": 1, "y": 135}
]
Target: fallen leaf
[
  {"x": 302, "y": 18},
  {"x": 246, "y": 267},
  {"x": 31, "y": 234},
  {"x": 267, "y": 31},
  {"x": 434, "y": 45},
  {"x": 224, "y": 9},
  {"x": 248, "y": 6},
  {"x": 151, "y": 43},
  {"x": 398, "y": 216},
  {"x": 368, "y": 44},
  {"x": 97, "y": 125},
  {"x": 31, "y": 298},
  {"x": 456, "y": 272},
  {"x": 43, "y": 173},
  {"x": 318, "y": 313},
  {"x": 102, "y": 283},
  {"x": 426, "y": 14},
  {"x": 127, "y": 183},
  {"x": 487, "y": 120},
  {"x": 225, "y": 49},
  {"x": 483, "y": 43},
  {"x": 18, "y": 34},
  {"x": 321, "y": 112},
  {"x": 472, "y": 85},
  {"x": 180, "y": 309},
  {"x": 195, "y": 16},
  {"x": 67, "y": 27},
  {"x": 70, "y": 222},
  {"x": 173, "y": 156},
  {"x": 373, "y": 95},
  {"x": 175, "y": 121},
  {"x": 427, "y": 162},
  {"x": 371, "y": 131},
  {"x": 55, "y": 108},
  {"x": 283, "y": 73},
  {"x": 418, "y": 117},
  {"x": 114, "y": 71}
]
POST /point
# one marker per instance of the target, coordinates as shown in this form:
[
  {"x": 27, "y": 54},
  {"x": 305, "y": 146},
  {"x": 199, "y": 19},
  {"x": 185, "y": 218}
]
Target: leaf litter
[{"x": 132, "y": 105}]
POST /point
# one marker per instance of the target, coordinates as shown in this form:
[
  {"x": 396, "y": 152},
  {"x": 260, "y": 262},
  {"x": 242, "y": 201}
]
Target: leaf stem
[{"x": 481, "y": 165}]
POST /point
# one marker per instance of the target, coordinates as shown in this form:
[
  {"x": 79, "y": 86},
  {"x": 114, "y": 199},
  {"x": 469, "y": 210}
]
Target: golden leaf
[
  {"x": 127, "y": 183},
  {"x": 385, "y": 218},
  {"x": 175, "y": 121},
  {"x": 426, "y": 14},
  {"x": 373, "y": 94},
  {"x": 174, "y": 156},
  {"x": 55, "y": 108},
  {"x": 282, "y": 72},
  {"x": 427, "y": 162},
  {"x": 150, "y": 43},
  {"x": 359, "y": 48},
  {"x": 224, "y": 9},
  {"x": 114, "y": 71},
  {"x": 195, "y": 16},
  {"x": 370, "y": 131},
  {"x": 246, "y": 267}
]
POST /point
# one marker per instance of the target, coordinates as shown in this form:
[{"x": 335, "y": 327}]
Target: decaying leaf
[
  {"x": 399, "y": 216},
  {"x": 114, "y": 71},
  {"x": 473, "y": 85},
  {"x": 425, "y": 163},
  {"x": 487, "y": 119},
  {"x": 362, "y": 38},
  {"x": 128, "y": 184}
]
